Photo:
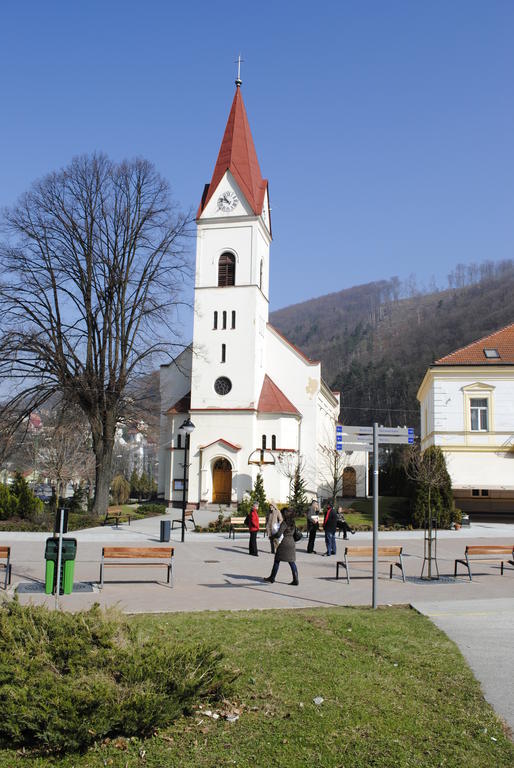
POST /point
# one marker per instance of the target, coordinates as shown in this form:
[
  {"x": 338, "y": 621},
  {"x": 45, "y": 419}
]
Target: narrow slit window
[
  {"x": 223, "y": 353},
  {"x": 179, "y": 441},
  {"x": 273, "y": 442},
  {"x": 260, "y": 274},
  {"x": 215, "y": 321},
  {"x": 233, "y": 318},
  {"x": 224, "y": 325},
  {"x": 264, "y": 442}
]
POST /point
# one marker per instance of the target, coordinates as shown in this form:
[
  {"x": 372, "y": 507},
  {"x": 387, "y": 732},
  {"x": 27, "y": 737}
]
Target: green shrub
[
  {"x": 68, "y": 680},
  {"x": 152, "y": 509}
]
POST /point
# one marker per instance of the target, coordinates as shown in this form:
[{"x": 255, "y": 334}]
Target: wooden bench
[
  {"x": 486, "y": 554},
  {"x": 189, "y": 518},
  {"x": 163, "y": 556},
  {"x": 238, "y": 524},
  {"x": 116, "y": 516},
  {"x": 5, "y": 554},
  {"x": 391, "y": 555}
]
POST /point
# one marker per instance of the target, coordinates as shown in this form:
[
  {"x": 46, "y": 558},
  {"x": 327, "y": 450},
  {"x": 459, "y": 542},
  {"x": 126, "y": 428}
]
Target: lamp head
[{"x": 188, "y": 426}]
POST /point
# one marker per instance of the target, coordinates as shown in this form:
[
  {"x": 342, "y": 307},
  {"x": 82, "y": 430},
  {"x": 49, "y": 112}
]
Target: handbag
[{"x": 297, "y": 535}]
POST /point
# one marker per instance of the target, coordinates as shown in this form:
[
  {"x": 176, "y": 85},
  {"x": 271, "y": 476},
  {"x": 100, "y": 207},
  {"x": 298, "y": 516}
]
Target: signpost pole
[{"x": 375, "y": 514}]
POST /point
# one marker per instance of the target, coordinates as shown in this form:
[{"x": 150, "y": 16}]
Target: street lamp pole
[{"x": 187, "y": 427}]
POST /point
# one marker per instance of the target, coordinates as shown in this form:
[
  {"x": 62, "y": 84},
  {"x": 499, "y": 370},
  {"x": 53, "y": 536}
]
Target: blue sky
[{"x": 385, "y": 128}]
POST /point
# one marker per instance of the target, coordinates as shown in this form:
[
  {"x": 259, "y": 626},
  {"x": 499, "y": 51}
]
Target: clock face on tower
[{"x": 227, "y": 201}]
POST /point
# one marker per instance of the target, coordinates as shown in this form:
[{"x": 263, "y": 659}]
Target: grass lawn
[{"x": 396, "y": 693}]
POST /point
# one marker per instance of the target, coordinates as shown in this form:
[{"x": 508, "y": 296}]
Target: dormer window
[
  {"x": 491, "y": 353},
  {"x": 226, "y": 270}
]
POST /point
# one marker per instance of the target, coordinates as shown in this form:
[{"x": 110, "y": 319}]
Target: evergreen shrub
[{"x": 68, "y": 680}]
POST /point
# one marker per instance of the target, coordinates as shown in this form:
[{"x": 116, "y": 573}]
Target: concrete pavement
[{"x": 484, "y": 632}]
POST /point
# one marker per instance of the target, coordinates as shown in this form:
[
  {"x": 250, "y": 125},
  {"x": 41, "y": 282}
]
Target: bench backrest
[
  {"x": 494, "y": 549},
  {"x": 240, "y": 521},
  {"x": 5, "y": 551},
  {"x": 368, "y": 551},
  {"x": 142, "y": 552}
]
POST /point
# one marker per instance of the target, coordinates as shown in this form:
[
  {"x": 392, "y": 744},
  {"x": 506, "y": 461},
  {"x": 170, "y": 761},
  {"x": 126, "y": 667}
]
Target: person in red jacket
[{"x": 253, "y": 526}]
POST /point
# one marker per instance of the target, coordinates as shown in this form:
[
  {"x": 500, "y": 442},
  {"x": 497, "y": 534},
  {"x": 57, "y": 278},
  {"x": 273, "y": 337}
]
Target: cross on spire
[{"x": 238, "y": 61}]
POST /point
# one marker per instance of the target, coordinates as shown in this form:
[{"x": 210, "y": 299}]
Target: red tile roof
[
  {"x": 237, "y": 154},
  {"x": 273, "y": 400},
  {"x": 234, "y": 446},
  {"x": 473, "y": 354},
  {"x": 181, "y": 406}
]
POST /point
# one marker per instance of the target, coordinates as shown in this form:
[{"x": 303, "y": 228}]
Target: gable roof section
[
  {"x": 181, "y": 406},
  {"x": 237, "y": 154},
  {"x": 292, "y": 346},
  {"x": 273, "y": 400},
  {"x": 232, "y": 446},
  {"x": 473, "y": 354}
]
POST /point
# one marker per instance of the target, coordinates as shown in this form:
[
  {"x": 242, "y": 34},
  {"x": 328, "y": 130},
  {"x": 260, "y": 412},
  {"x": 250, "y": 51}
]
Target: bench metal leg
[
  {"x": 347, "y": 569},
  {"x": 463, "y": 562},
  {"x": 170, "y": 574},
  {"x": 400, "y": 566},
  {"x": 390, "y": 570},
  {"x": 102, "y": 574}
]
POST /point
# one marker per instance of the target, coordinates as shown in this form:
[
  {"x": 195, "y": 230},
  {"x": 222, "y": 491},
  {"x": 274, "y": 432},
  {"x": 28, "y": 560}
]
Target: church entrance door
[
  {"x": 221, "y": 482},
  {"x": 349, "y": 483}
]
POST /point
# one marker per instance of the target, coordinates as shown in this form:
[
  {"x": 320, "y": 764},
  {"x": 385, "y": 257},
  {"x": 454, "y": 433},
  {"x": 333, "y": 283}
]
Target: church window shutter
[
  {"x": 273, "y": 442},
  {"x": 233, "y": 318},
  {"x": 215, "y": 323},
  {"x": 264, "y": 442},
  {"x": 223, "y": 353},
  {"x": 226, "y": 270},
  {"x": 224, "y": 325}
]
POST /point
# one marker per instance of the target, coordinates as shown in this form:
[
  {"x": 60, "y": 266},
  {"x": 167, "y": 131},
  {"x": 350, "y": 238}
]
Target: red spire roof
[
  {"x": 237, "y": 154},
  {"x": 273, "y": 400},
  {"x": 499, "y": 346}
]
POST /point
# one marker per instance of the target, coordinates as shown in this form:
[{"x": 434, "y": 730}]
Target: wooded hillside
[{"x": 376, "y": 346}]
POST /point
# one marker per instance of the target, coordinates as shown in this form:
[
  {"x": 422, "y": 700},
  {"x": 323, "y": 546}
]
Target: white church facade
[{"x": 250, "y": 393}]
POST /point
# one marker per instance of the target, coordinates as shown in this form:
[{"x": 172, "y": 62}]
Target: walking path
[{"x": 484, "y": 632}]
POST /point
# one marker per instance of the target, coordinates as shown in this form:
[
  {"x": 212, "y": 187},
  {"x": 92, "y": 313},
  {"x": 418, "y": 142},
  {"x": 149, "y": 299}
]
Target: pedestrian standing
[
  {"x": 273, "y": 521},
  {"x": 312, "y": 525},
  {"x": 253, "y": 527},
  {"x": 286, "y": 550},
  {"x": 330, "y": 526}
]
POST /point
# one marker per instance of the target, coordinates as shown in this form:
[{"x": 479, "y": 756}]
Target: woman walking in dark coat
[{"x": 286, "y": 550}]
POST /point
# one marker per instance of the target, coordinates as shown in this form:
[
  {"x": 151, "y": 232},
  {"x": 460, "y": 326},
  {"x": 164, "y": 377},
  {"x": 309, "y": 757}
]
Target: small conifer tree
[
  {"x": 258, "y": 494},
  {"x": 297, "y": 499}
]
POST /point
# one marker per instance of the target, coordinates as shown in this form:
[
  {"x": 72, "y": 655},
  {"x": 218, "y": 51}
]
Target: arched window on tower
[
  {"x": 223, "y": 353},
  {"x": 233, "y": 318},
  {"x": 215, "y": 324},
  {"x": 224, "y": 323},
  {"x": 264, "y": 442},
  {"x": 273, "y": 442},
  {"x": 226, "y": 270}
]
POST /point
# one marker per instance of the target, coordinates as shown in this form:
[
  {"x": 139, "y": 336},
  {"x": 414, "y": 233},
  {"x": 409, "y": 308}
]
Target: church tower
[{"x": 232, "y": 275}]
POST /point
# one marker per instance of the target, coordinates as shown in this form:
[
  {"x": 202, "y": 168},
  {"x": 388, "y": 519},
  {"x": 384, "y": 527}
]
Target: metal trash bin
[
  {"x": 465, "y": 520},
  {"x": 165, "y": 530},
  {"x": 69, "y": 552}
]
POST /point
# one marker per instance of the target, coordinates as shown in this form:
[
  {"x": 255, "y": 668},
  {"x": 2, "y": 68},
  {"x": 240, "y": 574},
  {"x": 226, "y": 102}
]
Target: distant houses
[{"x": 467, "y": 409}]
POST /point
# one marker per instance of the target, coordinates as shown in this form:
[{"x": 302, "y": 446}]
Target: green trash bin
[{"x": 69, "y": 552}]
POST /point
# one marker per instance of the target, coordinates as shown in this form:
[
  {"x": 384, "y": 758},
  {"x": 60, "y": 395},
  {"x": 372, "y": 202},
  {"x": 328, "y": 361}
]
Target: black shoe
[
  {"x": 353, "y": 533},
  {"x": 345, "y": 537},
  {"x": 269, "y": 579},
  {"x": 294, "y": 583},
  {"x": 325, "y": 554}
]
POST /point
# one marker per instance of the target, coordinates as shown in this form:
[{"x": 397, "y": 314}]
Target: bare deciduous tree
[
  {"x": 65, "y": 453},
  {"x": 91, "y": 272}
]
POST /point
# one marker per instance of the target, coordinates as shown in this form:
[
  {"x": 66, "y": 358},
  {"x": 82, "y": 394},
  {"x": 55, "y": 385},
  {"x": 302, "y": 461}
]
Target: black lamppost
[{"x": 187, "y": 427}]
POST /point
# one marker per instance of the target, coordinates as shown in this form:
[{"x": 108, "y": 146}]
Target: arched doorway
[
  {"x": 349, "y": 483},
  {"x": 221, "y": 482}
]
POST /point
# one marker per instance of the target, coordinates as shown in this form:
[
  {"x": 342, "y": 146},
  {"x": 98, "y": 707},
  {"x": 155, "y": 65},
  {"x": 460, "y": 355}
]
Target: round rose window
[{"x": 222, "y": 386}]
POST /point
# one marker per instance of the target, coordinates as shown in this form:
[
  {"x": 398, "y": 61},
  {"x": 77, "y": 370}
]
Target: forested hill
[{"x": 376, "y": 346}]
